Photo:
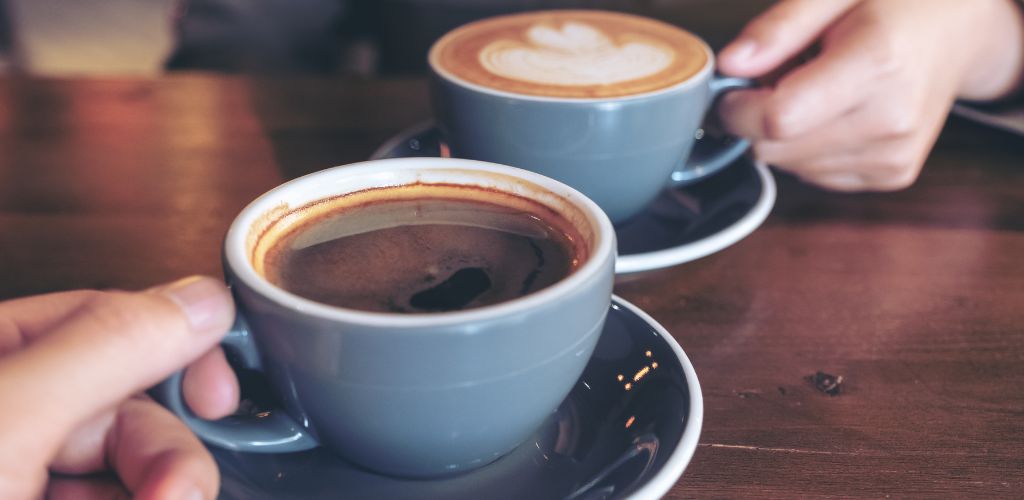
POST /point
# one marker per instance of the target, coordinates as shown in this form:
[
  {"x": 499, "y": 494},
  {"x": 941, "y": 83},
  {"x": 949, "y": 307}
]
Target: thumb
[
  {"x": 779, "y": 34},
  {"x": 113, "y": 346}
]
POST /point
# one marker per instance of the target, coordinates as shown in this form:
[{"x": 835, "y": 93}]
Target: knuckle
[
  {"x": 900, "y": 163},
  {"x": 898, "y": 180},
  {"x": 777, "y": 125},
  {"x": 897, "y": 171},
  {"x": 898, "y": 122}
]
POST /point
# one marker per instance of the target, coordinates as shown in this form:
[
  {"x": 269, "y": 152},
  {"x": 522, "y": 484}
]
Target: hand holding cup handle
[
  {"x": 409, "y": 395},
  {"x": 621, "y": 140},
  {"x": 271, "y": 432},
  {"x": 705, "y": 163}
]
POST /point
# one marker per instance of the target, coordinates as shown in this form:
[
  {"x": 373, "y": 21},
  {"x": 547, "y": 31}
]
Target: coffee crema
[
  {"x": 419, "y": 248},
  {"x": 570, "y": 53}
]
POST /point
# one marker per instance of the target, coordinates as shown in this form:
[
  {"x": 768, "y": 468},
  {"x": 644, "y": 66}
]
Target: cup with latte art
[{"x": 606, "y": 102}]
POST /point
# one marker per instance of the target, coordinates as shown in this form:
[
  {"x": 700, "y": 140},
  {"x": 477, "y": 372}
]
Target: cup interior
[{"x": 265, "y": 219}]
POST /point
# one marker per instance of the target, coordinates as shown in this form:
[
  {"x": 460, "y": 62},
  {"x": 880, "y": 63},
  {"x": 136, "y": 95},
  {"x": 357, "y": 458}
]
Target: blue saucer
[
  {"x": 681, "y": 225},
  {"x": 629, "y": 428}
]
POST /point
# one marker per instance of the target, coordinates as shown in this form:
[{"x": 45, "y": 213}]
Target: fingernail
[
  {"x": 200, "y": 298},
  {"x": 740, "y": 51}
]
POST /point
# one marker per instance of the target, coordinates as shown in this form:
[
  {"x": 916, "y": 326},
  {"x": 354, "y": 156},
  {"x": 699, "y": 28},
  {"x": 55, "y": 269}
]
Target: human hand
[
  {"x": 72, "y": 367},
  {"x": 865, "y": 111}
]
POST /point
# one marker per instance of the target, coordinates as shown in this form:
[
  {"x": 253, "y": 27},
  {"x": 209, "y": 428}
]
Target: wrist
[{"x": 995, "y": 68}]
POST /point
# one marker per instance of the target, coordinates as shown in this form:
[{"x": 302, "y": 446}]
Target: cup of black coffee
[{"x": 418, "y": 316}]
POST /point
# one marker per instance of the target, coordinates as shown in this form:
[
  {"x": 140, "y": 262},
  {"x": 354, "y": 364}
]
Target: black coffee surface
[{"x": 420, "y": 256}]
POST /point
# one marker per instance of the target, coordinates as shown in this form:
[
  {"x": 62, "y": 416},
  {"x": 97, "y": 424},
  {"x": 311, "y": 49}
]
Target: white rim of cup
[
  {"x": 236, "y": 253},
  {"x": 703, "y": 74}
]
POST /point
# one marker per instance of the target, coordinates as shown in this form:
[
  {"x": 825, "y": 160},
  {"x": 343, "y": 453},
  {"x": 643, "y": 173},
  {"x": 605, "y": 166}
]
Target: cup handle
[
  {"x": 701, "y": 165},
  {"x": 270, "y": 432}
]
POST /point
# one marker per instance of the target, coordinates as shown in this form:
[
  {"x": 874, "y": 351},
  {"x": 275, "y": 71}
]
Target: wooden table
[{"x": 915, "y": 298}]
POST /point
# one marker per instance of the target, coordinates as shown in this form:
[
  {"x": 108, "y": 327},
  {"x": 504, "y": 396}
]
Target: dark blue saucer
[
  {"x": 628, "y": 429},
  {"x": 682, "y": 224}
]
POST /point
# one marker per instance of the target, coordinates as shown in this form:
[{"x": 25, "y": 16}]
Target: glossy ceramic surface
[
  {"x": 411, "y": 395},
  {"x": 681, "y": 225},
  {"x": 628, "y": 429},
  {"x": 618, "y": 151}
]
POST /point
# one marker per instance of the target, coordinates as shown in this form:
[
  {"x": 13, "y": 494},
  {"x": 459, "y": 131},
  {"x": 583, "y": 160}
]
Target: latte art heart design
[{"x": 576, "y": 54}]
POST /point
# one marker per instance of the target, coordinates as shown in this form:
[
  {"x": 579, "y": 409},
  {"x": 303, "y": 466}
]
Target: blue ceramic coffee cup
[
  {"x": 414, "y": 395},
  {"x": 619, "y": 151}
]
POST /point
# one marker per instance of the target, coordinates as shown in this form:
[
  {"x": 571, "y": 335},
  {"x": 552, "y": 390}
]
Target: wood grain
[{"x": 916, "y": 298}]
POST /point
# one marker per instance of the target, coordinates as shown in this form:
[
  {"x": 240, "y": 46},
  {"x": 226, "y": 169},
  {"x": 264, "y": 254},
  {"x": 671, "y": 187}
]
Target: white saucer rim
[
  {"x": 657, "y": 486},
  {"x": 659, "y": 259},
  {"x": 717, "y": 242}
]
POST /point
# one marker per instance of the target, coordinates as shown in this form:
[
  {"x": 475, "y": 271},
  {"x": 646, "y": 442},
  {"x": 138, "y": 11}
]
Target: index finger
[
  {"x": 24, "y": 319},
  {"x": 840, "y": 79},
  {"x": 779, "y": 34},
  {"x": 103, "y": 352}
]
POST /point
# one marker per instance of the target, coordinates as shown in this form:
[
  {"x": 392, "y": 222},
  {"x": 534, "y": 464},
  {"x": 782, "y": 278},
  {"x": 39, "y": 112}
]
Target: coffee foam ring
[
  {"x": 388, "y": 216},
  {"x": 285, "y": 220}
]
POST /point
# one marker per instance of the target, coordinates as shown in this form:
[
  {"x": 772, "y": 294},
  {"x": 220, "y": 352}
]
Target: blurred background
[{"x": 319, "y": 37}]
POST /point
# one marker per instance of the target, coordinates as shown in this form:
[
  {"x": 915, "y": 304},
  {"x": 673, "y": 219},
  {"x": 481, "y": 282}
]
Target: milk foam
[{"x": 576, "y": 54}]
